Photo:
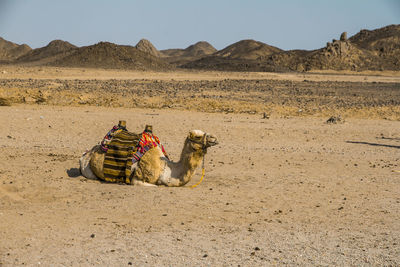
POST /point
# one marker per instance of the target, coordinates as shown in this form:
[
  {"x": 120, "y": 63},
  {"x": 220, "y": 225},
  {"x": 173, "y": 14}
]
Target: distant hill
[
  {"x": 54, "y": 50},
  {"x": 386, "y": 38},
  {"x": 199, "y": 49},
  {"x": 9, "y": 51},
  {"x": 147, "y": 47},
  {"x": 247, "y": 49},
  {"x": 109, "y": 55},
  {"x": 376, "y": 50},
  {"x": 367, "y": 50},
  {"x": 192, "y": 52},
  {"x": 240, "y": 56},
  {"x": 384, "y": 44}
]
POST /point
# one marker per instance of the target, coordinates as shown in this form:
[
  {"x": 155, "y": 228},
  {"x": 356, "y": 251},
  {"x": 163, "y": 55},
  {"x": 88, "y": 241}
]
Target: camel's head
[{"x": 201, "y": 140}]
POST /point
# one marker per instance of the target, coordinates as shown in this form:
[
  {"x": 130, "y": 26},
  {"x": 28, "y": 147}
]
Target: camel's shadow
[
  {"x": 74, "y": 172},
  {"x": 372, "y": 144}
]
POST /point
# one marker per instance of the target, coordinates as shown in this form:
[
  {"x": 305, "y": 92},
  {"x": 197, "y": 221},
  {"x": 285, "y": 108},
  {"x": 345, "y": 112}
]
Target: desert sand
[{"x": 288, "y": 190}]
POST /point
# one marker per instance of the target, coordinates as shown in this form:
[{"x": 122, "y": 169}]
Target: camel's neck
[{"x": 188, "y": 163}]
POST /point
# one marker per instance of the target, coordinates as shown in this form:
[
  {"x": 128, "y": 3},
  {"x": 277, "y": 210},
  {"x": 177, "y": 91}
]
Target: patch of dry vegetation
[
  {"x": 273, "y": 97},
  {"x": 4, "y": 102}
]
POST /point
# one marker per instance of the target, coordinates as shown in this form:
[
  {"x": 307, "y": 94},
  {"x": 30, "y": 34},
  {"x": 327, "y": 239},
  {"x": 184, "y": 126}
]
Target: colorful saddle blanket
[
  {"x": 146, "y": 142},
  {"x": 109, "y": 136},
  {"x": 118, "y": 157}
]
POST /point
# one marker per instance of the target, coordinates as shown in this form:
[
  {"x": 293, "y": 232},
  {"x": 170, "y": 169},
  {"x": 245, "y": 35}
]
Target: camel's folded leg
[
  {"x": 134, "y": 180},
  {"x": 84, "y": 163},
  {"x": 138, "y": 182}
]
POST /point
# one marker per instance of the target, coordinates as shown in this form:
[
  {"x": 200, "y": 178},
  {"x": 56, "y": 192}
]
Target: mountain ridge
[{"x": 376, "y": 50}]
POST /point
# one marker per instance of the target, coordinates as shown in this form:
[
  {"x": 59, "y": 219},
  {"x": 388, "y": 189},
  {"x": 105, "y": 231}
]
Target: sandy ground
[
  {"x": 280, "y": 191},
  {"x": 21, "y": 72},
  {"x": 289, "y": 190}
]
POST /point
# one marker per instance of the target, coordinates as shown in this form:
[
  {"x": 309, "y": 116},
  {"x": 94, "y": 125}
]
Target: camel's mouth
[
  {"x": 211, "y": 141},
  {"x": 212, "y": 144},
  {"x": 200, "y": 138}
]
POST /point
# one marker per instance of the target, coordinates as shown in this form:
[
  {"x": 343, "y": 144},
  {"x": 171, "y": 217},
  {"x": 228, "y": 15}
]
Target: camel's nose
[{"x": 212, "y": 140}]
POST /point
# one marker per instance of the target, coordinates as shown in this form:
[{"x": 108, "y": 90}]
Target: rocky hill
[
  {"x": 54, "y": 50},
  {"x": 9, "y": 51},
  {"x": 247, "y": 50},
  {"x": 199, "y": 49},
  {"x": 147, "y": 47},
  {"x": 383, "y": 40},
  {"x": 192, "y": 52},
  {"x": 241, "y": 56},
  {"x": 109, "y": 55},
  {"x": 383, "y": 43},
  {"x": 367, "y": 50}
]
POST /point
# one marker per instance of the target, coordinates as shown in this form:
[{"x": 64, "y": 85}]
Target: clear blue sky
[{"x": 287, "y": 24}]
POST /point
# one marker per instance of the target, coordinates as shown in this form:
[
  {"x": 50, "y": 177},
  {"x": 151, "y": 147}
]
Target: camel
[{"x": 154, "y": 168}]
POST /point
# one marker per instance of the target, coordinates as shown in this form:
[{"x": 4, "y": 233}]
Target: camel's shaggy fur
[{"x": 150, "y": 166}]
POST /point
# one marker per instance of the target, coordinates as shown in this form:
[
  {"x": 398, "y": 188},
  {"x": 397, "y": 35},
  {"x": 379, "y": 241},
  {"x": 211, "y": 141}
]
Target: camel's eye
[{"x": 195, "y": 137}]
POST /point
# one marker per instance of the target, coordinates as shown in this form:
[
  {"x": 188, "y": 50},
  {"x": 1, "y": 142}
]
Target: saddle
[
  {"x": 119, "y": 150},
  {"x": 118, "y": 158}
]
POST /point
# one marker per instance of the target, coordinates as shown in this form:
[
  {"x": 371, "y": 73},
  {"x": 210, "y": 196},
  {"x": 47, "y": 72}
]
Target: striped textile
[
  {"x": 150, "y": 140},
  {"x": 147, "y": 142},
  {"x": 139, "y": 154},
  {"x": 118, "y": 158},
  {"x": 109, "y": 136}
]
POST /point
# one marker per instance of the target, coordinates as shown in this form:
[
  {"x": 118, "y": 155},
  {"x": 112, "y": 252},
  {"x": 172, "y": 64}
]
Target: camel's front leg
[
  {"x": 138, "y": 182},
  {"x": 171, "y": 182}
]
